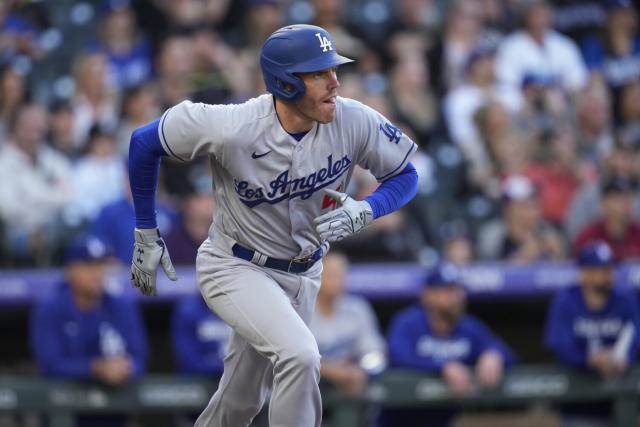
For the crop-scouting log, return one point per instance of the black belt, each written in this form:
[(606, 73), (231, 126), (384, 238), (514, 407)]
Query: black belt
[(290, 266)]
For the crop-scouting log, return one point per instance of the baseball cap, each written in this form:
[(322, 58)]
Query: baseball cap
[(86, 248), (109, 6), (480, 51), (518, 187), (443, 274), (536, 78), (596, 254)]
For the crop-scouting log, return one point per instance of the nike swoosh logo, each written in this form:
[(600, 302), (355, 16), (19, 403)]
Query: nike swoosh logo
[(257, 156)]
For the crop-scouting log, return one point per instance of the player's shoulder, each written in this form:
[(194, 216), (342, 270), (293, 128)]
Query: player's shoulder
[(236, 115), (622, 295), (412, 315), (351, 106), (568, 296)]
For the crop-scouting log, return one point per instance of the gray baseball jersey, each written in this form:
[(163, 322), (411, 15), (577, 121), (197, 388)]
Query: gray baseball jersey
[(350, 333), (267, 184)]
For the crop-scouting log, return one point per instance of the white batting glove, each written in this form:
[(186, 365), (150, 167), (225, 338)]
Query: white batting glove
[(349, 218), (149, 250)]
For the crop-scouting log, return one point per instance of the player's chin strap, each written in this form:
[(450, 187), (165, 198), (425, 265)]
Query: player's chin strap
[(349, 218)]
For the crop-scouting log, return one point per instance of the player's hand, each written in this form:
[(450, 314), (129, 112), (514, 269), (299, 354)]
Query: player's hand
[(603, 362), (458, 378), (149, 250), (113, 370), (489, 369), (349, 218)]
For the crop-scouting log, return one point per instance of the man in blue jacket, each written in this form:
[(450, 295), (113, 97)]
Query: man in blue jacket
[(594, 326), (200, 338), (436, 336), (82, 332)]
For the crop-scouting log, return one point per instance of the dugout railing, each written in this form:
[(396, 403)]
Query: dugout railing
[(60, 400)]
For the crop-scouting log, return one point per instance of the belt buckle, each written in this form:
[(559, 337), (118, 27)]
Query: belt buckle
[(304, 261)]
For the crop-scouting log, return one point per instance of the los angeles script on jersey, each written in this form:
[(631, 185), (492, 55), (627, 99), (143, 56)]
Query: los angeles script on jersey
[(283, 187)]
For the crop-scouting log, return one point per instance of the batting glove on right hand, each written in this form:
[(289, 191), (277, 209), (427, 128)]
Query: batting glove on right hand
[(349, 218), (149, 250)]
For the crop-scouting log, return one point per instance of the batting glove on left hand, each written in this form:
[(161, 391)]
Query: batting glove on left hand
[(349, 218), (149, 250)]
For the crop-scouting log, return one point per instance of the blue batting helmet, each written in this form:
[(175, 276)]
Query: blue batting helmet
[(296, 49)]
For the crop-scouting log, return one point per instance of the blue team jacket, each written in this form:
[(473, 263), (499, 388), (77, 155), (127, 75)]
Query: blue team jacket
[(199, 337), (65, 340), (572, 328), (413, 345)]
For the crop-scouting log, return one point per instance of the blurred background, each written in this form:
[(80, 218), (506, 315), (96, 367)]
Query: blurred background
[(526, 114)]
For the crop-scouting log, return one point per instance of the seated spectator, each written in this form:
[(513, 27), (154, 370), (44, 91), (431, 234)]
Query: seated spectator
[(628, 126), (100, 167), (615, 52), (13, 93), (594, 326), (436, 336), (84, 332), (521, 235), (128, 53), (540, 49), (199, 337), (478, 88), (192, 227), (616, 225), (94, 100), (346, 331), (61, 129), (36, 185), (139, 106)]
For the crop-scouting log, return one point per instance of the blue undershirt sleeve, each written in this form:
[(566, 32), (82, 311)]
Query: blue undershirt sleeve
[(145, 151), (394, 192)]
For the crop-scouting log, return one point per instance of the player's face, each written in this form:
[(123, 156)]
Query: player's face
[(597, 279), (446, 302), (319, 100), (87, 278)]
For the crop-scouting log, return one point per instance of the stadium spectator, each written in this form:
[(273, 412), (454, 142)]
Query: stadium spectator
[(127, 51), (94, 101), (174, 66), (594, 126), (199, 338), (13, 93), (539, 49), (412, 100), (614, 53), (628, 125), (191, 228), (501, 151), (478, 88), (436, 336), (594, 326), (18, 37), (521, 236), (82, 331), (61, 129), (99, 167), (139, 106), (449, 54), (457, 246), (554, 171), (616, 226), (36, 185), (346, 331)]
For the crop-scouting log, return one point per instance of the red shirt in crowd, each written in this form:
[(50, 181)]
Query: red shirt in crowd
[(626, 248)]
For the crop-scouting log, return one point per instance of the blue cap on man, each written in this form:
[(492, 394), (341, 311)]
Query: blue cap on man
[(596, 254), (87, 248), (443, 274)]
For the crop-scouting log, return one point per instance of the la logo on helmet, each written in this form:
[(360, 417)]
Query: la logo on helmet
[(324, 42)]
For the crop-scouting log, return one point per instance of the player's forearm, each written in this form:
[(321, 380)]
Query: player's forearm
[(394, 192), (145, 151)]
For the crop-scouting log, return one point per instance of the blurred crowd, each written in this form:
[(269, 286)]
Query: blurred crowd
[(527, 114)]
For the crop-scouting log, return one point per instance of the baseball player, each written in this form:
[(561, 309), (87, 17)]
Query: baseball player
[(281, 163)]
